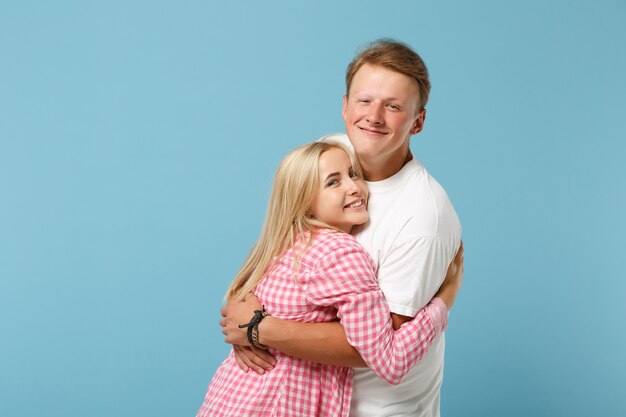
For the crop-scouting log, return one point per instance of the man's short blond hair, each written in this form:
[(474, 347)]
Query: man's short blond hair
[(395, 56)]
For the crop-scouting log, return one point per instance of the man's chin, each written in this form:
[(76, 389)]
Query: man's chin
[(365, 152)]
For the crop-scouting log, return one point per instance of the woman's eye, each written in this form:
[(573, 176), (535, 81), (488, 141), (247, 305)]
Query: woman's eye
[(332, 182), (353, 174)]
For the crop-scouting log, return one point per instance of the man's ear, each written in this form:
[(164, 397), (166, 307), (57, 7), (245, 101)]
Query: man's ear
[(418, 125), (344, 107)]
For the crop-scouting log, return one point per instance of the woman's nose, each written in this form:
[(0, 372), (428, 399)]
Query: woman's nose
[(352, 186)]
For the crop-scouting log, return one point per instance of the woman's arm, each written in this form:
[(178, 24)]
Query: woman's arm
[(447, 291)]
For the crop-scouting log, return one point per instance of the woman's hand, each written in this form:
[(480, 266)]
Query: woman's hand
[(454, 278), (258, 360)]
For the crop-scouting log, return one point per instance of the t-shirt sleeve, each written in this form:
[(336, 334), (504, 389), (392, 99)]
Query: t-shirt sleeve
[(412, 272), (345, 279)]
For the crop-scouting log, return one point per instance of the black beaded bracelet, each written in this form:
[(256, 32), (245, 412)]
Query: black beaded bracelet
[(253, 328)]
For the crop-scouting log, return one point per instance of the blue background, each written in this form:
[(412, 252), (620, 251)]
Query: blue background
[(137, 144)]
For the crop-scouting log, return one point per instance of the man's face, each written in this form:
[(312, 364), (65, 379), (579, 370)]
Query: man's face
[(381, 113)]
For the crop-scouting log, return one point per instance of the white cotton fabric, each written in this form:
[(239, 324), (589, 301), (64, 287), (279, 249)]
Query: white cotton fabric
[(412, 236)]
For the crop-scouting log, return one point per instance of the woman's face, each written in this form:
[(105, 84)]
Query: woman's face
[(341, 198)]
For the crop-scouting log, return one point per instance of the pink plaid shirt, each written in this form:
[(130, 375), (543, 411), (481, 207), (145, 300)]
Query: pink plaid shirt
[(335, 279)]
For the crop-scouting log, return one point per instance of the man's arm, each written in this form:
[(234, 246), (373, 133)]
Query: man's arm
[(260, 361), (317, 342)]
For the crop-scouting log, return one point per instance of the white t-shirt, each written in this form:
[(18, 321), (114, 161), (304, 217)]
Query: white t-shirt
[(412, 236)]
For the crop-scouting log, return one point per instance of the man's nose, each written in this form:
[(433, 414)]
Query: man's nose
[(375, 114)]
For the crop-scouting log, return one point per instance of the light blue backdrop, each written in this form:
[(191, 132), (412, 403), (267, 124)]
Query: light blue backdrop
[(137, 144)]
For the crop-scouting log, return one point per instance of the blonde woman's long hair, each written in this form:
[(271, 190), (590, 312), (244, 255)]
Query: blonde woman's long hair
[(295, 183)]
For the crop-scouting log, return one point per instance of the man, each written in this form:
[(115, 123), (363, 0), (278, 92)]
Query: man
[(412, 236)]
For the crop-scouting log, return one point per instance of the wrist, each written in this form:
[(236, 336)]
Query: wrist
[(438, 312), (252, 327), (265, 331)]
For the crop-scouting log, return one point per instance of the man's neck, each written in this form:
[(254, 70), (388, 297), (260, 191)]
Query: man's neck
[(378, 170)]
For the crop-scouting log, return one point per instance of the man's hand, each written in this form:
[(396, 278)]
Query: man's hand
[(236, 313), (247, 357)]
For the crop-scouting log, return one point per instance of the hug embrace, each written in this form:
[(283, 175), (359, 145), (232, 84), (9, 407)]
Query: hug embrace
[(341, 306)]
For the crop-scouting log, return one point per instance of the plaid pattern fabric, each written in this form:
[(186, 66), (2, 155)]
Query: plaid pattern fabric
[(335, 279)]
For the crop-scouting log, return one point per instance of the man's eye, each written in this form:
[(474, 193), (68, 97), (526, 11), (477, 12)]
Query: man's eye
[(393, 106)]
